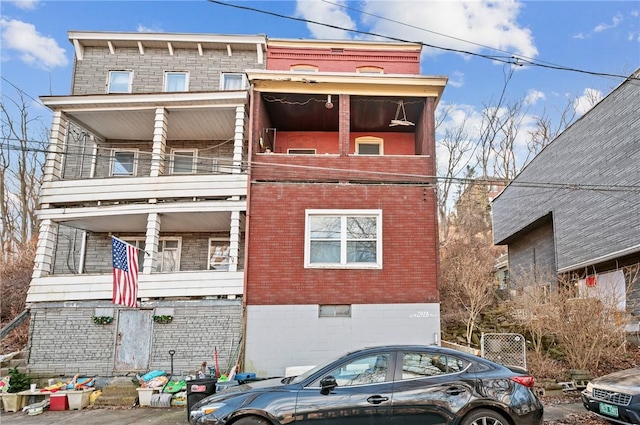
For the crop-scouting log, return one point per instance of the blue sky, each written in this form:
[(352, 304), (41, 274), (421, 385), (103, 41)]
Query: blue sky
[(598, 36)]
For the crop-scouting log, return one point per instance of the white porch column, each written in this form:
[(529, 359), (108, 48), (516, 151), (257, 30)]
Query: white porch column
[(159, 142), (238, 139), (234, 241), (151, 242), (43, 264), (53, 161)]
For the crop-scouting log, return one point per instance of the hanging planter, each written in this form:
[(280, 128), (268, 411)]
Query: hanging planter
[(102, 320), (163, 319)]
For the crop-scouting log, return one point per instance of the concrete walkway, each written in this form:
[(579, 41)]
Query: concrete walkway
[(178, 416)]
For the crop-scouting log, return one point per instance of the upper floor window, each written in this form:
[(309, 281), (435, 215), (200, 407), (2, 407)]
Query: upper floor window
[(123, 162), (233, 81), (183, 161), (219, 254), (304, 68), (176, 81), (140, 244), (168, 255), (120, 81), (369, 70), (369, 146), (343, 238)]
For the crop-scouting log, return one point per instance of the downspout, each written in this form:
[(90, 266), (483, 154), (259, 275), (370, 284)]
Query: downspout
[(83, 252)]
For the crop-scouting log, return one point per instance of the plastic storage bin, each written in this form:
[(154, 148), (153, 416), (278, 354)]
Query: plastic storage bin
[(78, 400)]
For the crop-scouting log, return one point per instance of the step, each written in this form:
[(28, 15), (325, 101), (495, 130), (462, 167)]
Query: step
[(119, 391)]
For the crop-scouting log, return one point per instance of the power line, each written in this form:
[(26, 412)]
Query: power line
[(511, 60)]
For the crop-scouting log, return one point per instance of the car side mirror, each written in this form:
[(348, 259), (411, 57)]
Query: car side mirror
[(327, 384)]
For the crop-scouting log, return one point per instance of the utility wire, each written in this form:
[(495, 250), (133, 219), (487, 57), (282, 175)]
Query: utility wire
[(511, 60)]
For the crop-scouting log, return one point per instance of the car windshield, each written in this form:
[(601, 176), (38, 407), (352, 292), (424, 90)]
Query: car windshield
[(302, 377)]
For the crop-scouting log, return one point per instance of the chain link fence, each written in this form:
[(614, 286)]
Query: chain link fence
[(505, 348)]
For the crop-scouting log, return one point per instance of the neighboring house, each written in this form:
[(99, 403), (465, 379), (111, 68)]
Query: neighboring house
[(573, 211), (149, 147), (342, 218)]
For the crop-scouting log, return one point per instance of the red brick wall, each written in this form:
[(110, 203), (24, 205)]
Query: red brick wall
[(392, 62), (327, 142), (275, 269)]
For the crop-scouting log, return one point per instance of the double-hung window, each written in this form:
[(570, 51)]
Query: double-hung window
[(233, 81), (168, 255), (369, 145), (123, 162), (140, 244), (219, 254), (120, 82), (184, 161), (176, 81), (343, 239)]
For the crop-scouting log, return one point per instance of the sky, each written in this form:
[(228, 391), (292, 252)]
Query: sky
[(466, 41)]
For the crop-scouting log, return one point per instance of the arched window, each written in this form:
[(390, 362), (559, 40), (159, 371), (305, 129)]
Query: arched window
[(304, 68), (369, 145), (369, 70)]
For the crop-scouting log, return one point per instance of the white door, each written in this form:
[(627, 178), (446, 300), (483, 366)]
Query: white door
[(133, 342)]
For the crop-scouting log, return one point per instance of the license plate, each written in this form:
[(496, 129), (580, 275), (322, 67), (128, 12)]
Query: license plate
[(607, 409)]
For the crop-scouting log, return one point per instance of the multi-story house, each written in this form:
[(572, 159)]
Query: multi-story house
[(572, 213), (342, 218), (151, 147)]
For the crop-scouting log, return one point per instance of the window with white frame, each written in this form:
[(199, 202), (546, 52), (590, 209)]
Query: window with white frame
[(369, 145), (119, 82), (233, 81), (369, 70), (140, 244), (176, 81), (123, 162), (219, 249), (183, 161), (343, 239), (168, 255)]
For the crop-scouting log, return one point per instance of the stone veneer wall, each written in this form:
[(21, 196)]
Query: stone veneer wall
[(64, 340)]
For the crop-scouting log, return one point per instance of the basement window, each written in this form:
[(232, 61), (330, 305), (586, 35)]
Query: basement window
[(334, 310)]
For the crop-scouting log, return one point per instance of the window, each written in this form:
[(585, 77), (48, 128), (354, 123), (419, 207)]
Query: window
[(119, 82), (140, 244), (301, 151), (123, 163), (168, 255), (369, 146), (369, 70), (233, 81), (176, 81), (362, 371), (421, 365), (339, 310), (304, 68), (183, 161), (343, 239), (218, 254)]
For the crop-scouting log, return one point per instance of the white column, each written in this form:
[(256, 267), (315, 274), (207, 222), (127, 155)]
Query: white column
[(159, 142), (234, 241), (238, 138), (151, 242), (43, 264), (53, 161)]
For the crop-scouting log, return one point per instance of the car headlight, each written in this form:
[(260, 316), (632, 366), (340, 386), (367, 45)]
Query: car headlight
[(208, 409), (590, 388)]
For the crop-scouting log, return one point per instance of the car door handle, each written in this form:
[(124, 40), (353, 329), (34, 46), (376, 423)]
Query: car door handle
[(377, 399), (454, 391)]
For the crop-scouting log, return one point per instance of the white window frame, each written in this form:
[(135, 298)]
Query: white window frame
[(160, 266), (209, 254), (334, 310), (140, 244), (343, 214), (225, 75), (166, 81), (370, 140), (182, 152), (369, 70), (114, 152), (119, 71)]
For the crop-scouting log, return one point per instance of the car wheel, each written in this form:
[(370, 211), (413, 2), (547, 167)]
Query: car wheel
[(251, 420), (484, 417)]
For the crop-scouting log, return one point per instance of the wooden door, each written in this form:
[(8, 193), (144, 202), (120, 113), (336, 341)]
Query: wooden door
[(133, 342)]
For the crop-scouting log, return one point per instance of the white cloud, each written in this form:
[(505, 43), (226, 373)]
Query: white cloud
[(588, 99), (34, 49), (24, 4), (580, 36), (533, 96), (319, 11), (144, 28), (615, 21), (456, 79), (461, 25)]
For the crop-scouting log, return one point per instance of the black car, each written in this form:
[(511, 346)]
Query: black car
[(383, 385), (615, 397)]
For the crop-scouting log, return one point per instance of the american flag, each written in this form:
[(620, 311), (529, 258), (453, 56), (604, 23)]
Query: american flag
[(125, 273)]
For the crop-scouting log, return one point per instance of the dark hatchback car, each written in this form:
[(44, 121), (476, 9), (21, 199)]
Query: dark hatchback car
[(615, 397), (383, 385)]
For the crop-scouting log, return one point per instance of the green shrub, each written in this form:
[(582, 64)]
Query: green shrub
[(18, 381)]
